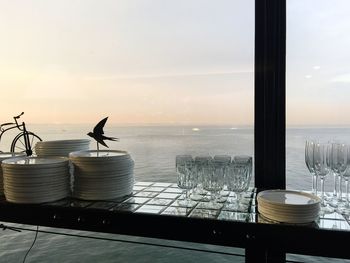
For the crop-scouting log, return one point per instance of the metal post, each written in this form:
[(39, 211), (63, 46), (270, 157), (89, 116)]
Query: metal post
[(270, 52)]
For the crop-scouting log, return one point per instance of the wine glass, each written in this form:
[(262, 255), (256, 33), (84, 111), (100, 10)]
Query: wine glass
[(338, 164), (309, 161), (186, 177), (238, 178), (202, 167), (214, 180), (345, 209), (225, 160), (322, 154)]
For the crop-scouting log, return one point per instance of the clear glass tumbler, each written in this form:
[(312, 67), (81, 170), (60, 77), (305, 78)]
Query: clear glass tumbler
[(186, 177), (238, 179)]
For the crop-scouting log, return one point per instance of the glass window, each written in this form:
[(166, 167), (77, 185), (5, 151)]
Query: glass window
[(174, 77), (318, 77)]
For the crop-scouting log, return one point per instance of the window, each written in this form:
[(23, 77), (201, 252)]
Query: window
[(317, 80), (174, 77)]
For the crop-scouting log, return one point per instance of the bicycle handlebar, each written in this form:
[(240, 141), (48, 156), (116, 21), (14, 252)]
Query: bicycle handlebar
[(17, 117)]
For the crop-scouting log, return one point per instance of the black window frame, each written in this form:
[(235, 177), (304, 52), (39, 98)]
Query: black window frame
[(270, 94)]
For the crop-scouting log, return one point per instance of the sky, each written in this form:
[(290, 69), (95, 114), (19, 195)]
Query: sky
[(165, 62)]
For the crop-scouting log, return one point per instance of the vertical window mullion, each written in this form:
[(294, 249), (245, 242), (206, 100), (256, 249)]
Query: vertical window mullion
[(270, 90)]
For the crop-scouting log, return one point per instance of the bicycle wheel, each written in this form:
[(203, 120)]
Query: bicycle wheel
[(18, 144)]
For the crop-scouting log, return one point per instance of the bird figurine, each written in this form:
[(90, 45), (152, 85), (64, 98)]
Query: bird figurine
[(97, 134)]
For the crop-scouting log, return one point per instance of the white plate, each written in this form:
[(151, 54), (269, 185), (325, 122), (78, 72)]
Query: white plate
[(60, 142), (35, 176), (289, 213), (36, 192), (63, 148), (99, 179), (296, 219), (36, 181), (36, 199), (287, 209), (7, 155), (106, 167), (26, 162), (37, 188), (288, 198), (56, 151), (34, 169), (99, 154), (100, 175), (102, 196), (100, 187)]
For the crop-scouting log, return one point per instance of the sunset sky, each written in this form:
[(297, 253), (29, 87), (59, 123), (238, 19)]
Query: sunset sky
[(165, 61)]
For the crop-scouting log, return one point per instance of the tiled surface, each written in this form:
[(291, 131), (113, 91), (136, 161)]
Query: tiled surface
[(168, 200)]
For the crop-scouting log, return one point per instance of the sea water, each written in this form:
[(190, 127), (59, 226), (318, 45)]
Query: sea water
[(153, 149)]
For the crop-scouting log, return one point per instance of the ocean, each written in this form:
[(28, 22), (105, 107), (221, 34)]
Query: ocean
[(153, 148)]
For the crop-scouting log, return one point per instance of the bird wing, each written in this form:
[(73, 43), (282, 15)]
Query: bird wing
[(109, 138), (100, 140), (99, 127)]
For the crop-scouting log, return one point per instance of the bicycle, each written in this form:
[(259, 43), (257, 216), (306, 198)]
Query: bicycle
[(23, 141)]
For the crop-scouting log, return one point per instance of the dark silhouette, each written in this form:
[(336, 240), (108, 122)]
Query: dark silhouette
[(97, 134), (24, 141)]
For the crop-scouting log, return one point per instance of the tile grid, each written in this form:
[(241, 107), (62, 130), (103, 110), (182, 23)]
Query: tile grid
[(162, 199), (199, 209)]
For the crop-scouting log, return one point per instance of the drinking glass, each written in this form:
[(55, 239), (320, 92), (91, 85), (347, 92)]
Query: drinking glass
[(214, 180), (202, 167), (338, 164), (225, 160), (322, 154), (309, 161), (186, 177), (345, 209), (238, 178)]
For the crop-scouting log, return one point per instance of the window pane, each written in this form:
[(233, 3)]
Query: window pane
[(318, 76), (174, 77)]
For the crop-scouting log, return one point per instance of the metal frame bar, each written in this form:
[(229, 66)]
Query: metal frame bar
[(270, 105), (263, 242), (270, 108)]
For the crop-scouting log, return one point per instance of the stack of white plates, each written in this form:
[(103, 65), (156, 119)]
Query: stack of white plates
[(4, 156), (288, 206), (102, 175), (61, 147), (35, 180)]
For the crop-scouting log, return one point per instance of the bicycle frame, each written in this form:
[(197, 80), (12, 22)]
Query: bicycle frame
[(21, 127), (3, 130), (15, 125)]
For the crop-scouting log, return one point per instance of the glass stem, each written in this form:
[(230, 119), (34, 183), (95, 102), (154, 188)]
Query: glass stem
[(347, 191), (335, 184), (238, 196), (314, 184), (187, 194), (340, 190), (322, 191)]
